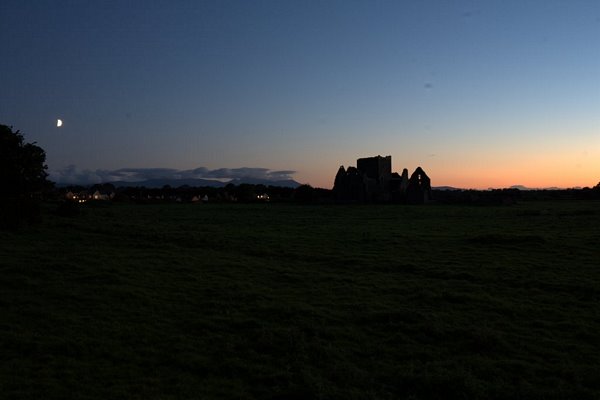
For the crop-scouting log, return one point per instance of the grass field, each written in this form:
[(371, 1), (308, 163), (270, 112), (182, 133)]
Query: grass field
[(275, 301)]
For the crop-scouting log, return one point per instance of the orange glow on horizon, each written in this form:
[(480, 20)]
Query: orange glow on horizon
[(542, 172)]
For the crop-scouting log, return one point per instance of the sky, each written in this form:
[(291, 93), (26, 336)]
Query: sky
[(478, 93)]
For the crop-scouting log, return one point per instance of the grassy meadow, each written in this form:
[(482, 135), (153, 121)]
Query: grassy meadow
[(275, 301)]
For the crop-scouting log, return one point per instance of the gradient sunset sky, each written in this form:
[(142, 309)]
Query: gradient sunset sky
[(478, 93)]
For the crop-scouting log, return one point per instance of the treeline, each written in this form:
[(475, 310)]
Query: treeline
[(249, 193), (512, 196), (245, 193)]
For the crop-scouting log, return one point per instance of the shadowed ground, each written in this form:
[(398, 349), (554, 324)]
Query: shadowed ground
[(281, 301)]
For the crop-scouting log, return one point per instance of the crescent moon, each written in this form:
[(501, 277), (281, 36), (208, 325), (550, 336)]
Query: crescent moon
[(58, 123)]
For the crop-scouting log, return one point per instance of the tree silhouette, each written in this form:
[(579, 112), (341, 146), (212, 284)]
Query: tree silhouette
[(22, 178), (304, 194)]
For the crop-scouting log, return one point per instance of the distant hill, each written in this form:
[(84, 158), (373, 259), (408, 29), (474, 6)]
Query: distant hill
[(445, 188), (521, 187), (256, 181), (525, 188), (159, 183)]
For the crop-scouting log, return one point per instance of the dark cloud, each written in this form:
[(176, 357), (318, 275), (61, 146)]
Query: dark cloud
[(73, 175)]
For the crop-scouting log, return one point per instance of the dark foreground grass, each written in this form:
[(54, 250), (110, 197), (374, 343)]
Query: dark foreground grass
[(293, 302)]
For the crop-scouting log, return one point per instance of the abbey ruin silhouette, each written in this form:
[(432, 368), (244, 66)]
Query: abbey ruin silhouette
[(372, 180)]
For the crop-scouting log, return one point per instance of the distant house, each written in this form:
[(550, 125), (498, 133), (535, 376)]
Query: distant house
[(263, 197), (80, 197), (372, 180), (100, 196)]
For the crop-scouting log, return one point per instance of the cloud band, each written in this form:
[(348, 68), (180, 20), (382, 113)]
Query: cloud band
[(72, 175)]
